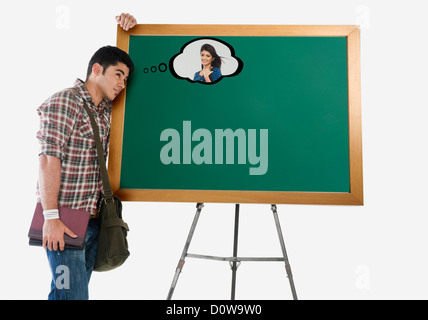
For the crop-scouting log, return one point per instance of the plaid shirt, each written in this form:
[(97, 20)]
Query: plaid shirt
[(66, 133)]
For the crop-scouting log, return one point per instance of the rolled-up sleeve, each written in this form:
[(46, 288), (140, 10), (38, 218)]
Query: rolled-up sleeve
[(57, 119)]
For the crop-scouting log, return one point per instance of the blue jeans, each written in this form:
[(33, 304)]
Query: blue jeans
[(71, 269)]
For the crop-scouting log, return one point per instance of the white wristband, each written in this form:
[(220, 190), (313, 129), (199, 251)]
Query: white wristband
[(51, 214)]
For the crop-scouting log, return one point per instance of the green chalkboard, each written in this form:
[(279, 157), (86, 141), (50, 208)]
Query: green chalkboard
[(277, 122)]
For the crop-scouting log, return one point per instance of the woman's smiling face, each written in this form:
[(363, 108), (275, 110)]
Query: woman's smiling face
[(206, 58)]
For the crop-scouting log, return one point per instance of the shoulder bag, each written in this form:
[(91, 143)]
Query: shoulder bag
[(112, 241)]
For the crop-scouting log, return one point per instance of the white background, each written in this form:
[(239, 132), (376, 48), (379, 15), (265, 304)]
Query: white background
[(378, 251)]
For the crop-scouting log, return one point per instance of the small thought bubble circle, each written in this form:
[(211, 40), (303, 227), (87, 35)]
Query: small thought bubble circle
[(161, 68)]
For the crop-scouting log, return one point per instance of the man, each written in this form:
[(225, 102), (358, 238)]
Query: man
[(69, 173)]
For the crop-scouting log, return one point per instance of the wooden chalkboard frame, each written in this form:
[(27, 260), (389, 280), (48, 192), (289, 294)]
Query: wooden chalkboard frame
[(354, 197)]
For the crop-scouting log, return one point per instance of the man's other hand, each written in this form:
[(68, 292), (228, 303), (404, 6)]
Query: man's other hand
[(126, 21)]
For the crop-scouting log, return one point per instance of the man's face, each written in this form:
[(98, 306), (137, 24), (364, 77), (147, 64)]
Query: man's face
[(113, 81)]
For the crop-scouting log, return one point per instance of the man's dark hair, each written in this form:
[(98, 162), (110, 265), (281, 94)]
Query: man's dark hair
[(109, 56)]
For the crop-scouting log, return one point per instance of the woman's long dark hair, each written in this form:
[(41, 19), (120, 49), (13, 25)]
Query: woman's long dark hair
[(217, 59)]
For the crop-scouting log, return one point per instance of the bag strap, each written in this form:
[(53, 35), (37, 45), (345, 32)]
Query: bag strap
[(108, 193)]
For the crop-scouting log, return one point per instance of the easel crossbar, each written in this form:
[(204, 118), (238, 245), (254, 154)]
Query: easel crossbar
[(233, 259)]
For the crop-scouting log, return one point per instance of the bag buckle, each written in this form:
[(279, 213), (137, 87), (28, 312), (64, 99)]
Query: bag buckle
[(111, 200), (108, 197)]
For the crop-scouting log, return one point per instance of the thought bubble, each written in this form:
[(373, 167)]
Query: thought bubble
[(188, 64), (162, 67)]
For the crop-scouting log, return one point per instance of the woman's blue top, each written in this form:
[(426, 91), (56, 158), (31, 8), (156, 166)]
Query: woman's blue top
[(213, 76)]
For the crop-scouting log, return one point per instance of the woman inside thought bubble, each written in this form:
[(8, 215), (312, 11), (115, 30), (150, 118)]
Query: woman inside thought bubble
[(211, 65)]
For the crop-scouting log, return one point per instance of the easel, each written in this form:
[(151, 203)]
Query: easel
[(235, 260)]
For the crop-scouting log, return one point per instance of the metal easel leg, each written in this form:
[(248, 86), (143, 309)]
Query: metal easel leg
[(180, 265), (284, 252), (234, 264)]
